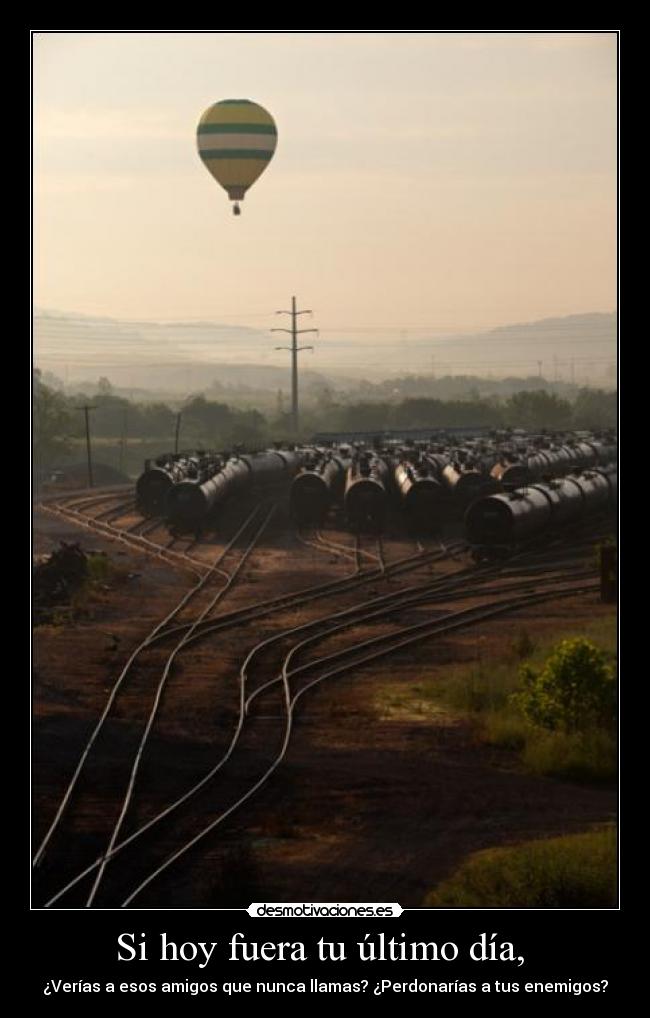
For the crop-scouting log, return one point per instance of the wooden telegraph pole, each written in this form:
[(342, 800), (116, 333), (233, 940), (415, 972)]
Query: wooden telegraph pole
[(88, 451)]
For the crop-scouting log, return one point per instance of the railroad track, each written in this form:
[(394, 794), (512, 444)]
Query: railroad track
[(317, 541), (114, 512), (337, 663), (306, 595), (455, 588), (257, 521), (376, 556), (75, 501), (135, 542), (143, 527), (201, 627), (191, 542), (451, 588), (354, 553), (117, 507)]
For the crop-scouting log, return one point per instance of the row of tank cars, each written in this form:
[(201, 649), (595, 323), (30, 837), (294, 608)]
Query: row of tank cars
[(188, 488), (508, 486), (507, 489)]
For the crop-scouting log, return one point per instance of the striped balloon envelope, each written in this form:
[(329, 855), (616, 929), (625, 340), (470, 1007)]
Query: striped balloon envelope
[(236, 139)]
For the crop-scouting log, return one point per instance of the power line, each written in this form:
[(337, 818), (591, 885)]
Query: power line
[(450, 331), (485, 364)]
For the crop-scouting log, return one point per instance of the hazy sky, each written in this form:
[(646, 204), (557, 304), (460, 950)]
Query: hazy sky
[(439, 180)]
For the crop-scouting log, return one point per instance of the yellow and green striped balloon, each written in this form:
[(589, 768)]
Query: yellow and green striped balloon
[(236, 139)]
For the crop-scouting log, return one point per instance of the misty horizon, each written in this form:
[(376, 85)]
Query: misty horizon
[(577, 348)]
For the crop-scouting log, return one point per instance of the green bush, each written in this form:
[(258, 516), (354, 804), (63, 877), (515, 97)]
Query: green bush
[(576, 871), (575, 689), (99, 567)]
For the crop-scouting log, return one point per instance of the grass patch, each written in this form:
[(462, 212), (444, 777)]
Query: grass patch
[(101, 575), (405, 705), (481, 689), (580, 756), (100, 568), (575, 871), (505, 728), (473, 687), (589, 755)]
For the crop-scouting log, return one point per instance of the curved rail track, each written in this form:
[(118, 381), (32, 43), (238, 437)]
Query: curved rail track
[(451, 588), (347, 659), (354, 553), (133, 541), (202, 627), (159, 630)]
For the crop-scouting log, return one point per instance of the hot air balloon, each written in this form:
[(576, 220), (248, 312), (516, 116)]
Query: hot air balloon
[(236, 140)]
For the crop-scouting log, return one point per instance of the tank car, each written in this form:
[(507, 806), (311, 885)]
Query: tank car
[(421, 495), (605, 452), (190, 503), (437, 459), (273, 466), (153, 486), (599, 488), (365, 493), (465, 483), (584, 455), (511, 473), (318, 484), (505, 520)]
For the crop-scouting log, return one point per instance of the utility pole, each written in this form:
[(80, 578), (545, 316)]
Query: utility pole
[(178, 428), (90, 462), (539, 368), (294, 350), (123, 437)]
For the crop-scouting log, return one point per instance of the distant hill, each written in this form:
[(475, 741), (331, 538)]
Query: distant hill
[(569, 348), (186, 356)]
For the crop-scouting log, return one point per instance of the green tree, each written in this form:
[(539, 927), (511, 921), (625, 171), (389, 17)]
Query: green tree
[(108, 417), (158, 421), (418, 413), (537, 409), (51, 422), (365, 417), (206, 421), (247, 428), (575, 689), (594, 409)]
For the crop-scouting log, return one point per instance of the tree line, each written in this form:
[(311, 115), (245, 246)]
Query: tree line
[(58, 425)]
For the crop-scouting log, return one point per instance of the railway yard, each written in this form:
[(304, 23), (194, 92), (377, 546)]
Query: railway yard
[(229, 716)]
